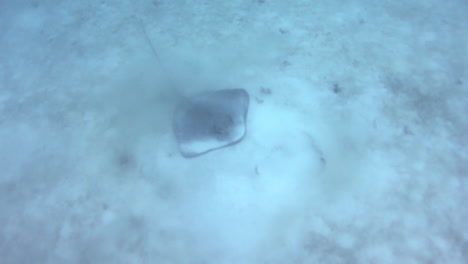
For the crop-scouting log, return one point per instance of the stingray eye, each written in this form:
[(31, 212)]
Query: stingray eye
[(221, 132), (218, 130)]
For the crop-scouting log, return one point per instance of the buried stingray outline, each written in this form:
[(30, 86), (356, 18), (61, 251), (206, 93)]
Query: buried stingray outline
[(210, 121)]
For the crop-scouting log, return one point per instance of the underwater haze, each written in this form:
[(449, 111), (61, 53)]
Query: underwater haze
[(355, 151)]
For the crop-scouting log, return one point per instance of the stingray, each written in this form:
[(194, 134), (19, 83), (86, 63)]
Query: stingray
[(210, 121)]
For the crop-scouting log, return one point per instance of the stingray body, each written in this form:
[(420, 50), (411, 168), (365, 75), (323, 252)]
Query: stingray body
[(210, 121)]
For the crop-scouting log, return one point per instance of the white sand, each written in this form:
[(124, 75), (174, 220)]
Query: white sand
[(358, 155)]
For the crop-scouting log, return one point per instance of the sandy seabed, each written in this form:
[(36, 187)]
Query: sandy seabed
[(356, 148)]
